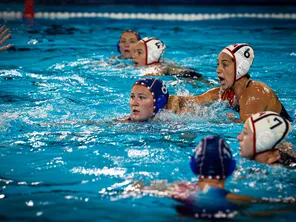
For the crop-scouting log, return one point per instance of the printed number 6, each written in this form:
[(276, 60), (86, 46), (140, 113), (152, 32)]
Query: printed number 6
[(247, 54)]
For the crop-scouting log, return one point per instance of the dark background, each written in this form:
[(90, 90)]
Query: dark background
[(150, 2)]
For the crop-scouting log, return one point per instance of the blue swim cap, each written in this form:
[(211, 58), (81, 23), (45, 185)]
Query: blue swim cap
[(137, 34), (212, 159), (158, 90)]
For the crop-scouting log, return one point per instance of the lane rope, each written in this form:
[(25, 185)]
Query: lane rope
[(146, 16)]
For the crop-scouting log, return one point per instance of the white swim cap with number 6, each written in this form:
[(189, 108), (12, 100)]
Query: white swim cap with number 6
[(243, 56)]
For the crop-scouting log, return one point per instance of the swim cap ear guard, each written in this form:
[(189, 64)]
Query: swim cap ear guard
[(161, 102), (212, 159), (269, 130), (232, 167), (193, 165), (158, 90), (137, 34), (243, 68), (243, 56)]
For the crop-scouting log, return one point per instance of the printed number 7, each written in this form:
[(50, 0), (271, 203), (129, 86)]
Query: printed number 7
[(277, 124)]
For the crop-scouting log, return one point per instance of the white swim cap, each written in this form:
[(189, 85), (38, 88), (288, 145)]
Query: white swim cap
[(269, 129), (154, 49), (243, 56)]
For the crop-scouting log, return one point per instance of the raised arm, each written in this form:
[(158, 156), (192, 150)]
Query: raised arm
[(182, 72), (3, 37), (246, 200), (268, 213), (181, 104), (173, 70), (240, 199)]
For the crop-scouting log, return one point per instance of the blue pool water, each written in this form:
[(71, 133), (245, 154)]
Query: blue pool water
[(64, 159)]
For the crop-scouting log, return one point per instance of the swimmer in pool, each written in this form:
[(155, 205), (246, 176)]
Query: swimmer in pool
[(148, 53), (263, 137), (213, 163), (148, 96), (126, 44), (244, 95), (4, 36)]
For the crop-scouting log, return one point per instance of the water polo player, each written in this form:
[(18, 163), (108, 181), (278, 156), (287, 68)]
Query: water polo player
[(148, 96), (126, 44), (263, 136), (243, 94), (212, 162), (148, 53)]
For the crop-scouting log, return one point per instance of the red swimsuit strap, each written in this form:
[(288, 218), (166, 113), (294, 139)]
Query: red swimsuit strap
[(228, 95)]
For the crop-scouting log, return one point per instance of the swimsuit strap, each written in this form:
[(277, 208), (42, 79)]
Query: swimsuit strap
[(285, 114), (248, 83)]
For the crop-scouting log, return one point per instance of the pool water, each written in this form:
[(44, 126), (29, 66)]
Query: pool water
[(64, 159)]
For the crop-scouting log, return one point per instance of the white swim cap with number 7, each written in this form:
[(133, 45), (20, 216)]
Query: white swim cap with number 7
[(269, 130)]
